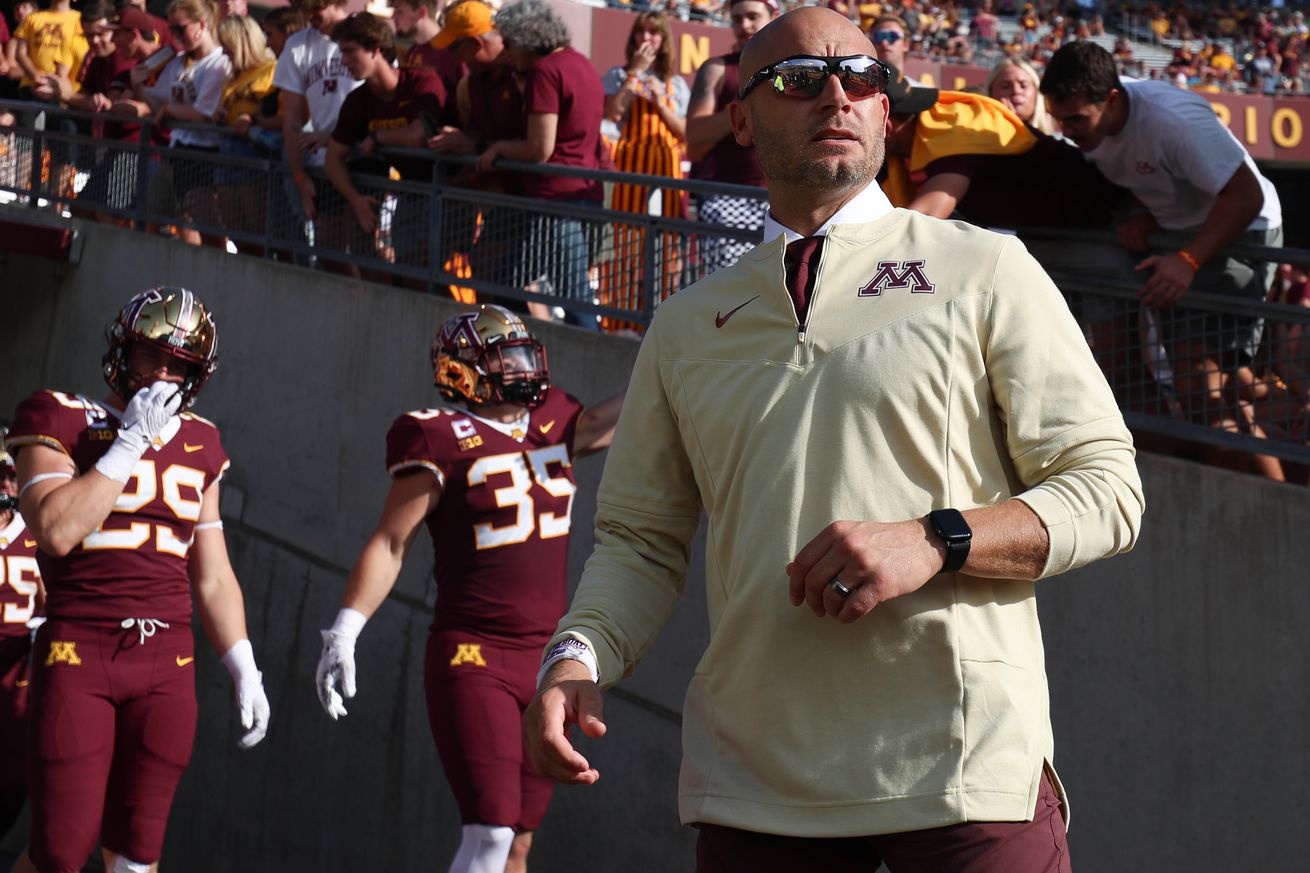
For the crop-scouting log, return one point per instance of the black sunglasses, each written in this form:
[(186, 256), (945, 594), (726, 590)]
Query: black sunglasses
[(805, 75)]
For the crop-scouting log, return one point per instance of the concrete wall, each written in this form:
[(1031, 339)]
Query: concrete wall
[(1177, 671)]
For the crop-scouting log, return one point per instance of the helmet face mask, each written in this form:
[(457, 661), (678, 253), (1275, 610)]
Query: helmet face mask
[(488, 357), (172, 320)]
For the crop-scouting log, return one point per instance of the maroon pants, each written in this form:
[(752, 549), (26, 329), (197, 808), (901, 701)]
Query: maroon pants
[(477, 690), (1036, 846), (112, 724), (14, 652)]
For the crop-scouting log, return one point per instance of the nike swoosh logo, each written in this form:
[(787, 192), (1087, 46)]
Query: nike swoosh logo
[(188, 448), (546, 428), (721, 320), (29, 544), (182, 662)]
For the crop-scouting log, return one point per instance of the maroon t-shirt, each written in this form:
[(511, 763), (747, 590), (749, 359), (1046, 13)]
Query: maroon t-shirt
[(1012, 191), (501, 528), (728, 161), (135, 564), (447, 67), (565, 84), (19, 578), (496, 112), (418, 90)]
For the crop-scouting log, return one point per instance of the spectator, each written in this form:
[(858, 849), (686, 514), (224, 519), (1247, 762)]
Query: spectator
[(279, 24), (985, 26), (416, 20), (648, 101), (1194, 178), (159, 25), (314, 83), (565, 103), (387, 110), (716, 155), (49, 42), (1014, 82), (242, 191), (189, 89), (891, 38), (491, 108)]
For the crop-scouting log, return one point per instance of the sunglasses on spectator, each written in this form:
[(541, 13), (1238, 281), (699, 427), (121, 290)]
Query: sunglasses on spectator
[(888, 36), (179, 30), (805, 76)]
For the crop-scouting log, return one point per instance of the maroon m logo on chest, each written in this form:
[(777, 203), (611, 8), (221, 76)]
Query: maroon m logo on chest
[(898, 274)]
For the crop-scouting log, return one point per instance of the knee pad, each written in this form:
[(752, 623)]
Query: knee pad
[(127, 865), (482, 849)]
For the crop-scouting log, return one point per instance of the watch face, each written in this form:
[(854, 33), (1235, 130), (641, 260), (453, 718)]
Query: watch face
[(952, 526)]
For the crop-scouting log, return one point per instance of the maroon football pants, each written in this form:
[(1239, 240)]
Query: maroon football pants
[(112, 724), (1036, 846), (477, 689), (13, 727)]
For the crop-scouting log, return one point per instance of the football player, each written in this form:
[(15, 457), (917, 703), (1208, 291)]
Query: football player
[(122, 499), (490, 473), (20, 601)]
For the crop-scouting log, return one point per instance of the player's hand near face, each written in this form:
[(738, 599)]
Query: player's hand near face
[(877, 561), (568, 696)]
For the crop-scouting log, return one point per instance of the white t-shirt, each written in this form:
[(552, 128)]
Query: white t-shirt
[(197, 83), (1176, 156), (311, 66)]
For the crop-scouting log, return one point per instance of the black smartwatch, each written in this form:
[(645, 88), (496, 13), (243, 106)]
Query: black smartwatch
[(955, 533)]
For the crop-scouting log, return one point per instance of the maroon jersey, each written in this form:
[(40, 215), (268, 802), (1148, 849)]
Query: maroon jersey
[(135, 564), (362, 112), (501, 528), (19, 578)]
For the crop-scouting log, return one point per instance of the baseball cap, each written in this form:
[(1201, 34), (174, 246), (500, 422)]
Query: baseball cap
[(907, 99), (132, 18), (470, 18), (772, 4)]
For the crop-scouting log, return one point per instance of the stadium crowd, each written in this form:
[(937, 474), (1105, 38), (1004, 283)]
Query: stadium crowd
[(348, 98)]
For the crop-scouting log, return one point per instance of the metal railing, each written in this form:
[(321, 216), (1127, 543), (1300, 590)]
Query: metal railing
[(437, 234), (614, 266)]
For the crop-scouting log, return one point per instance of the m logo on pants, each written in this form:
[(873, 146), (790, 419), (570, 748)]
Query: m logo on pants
[(468, 653), (63, 652)]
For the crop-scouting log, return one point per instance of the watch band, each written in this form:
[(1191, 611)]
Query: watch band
[(955, 533)]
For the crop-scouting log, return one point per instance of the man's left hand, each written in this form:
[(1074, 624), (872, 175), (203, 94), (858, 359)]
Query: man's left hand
[(1170, 281), (875, 560)]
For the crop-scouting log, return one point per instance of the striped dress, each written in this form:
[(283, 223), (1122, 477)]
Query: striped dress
[(645, 145)]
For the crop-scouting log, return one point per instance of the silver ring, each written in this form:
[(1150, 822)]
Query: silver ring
[(841, 589)]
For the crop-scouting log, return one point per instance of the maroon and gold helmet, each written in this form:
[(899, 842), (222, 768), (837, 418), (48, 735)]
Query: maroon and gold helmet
[(487, 357), (174, 320)]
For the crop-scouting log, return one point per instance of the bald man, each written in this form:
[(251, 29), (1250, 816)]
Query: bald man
[(891, 446)]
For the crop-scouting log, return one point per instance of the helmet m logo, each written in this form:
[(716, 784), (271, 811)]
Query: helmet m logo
[(63, 652), (461, 332), (898, 274), (468, 653)]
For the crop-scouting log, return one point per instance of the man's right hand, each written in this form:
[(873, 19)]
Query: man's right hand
[(148, 412), (366, 212), (335, 677), (568, 696)]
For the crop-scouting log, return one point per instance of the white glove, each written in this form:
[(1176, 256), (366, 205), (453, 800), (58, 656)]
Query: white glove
[(335, 677), (146, 416), (252, 702)]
